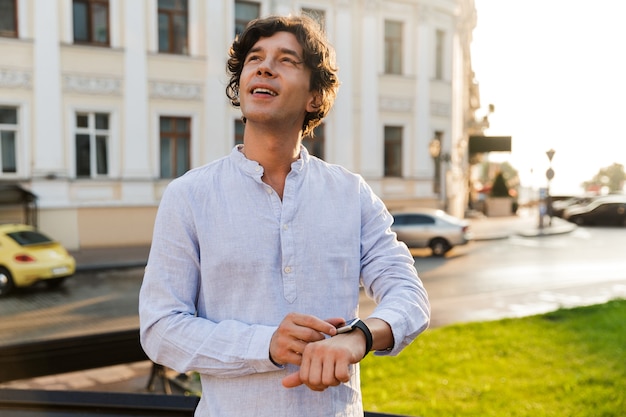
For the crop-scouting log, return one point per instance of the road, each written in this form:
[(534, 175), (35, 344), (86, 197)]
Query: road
[(483, 281), (524, 276)]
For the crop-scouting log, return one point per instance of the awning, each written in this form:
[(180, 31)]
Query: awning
[(14, 194), (484, 144)]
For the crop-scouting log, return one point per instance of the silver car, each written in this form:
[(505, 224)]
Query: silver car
[(431, 228)]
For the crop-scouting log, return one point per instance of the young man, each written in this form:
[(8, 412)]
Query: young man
[(257, 258)]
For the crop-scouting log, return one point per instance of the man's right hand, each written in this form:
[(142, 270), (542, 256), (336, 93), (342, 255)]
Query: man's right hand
[(295, 332)]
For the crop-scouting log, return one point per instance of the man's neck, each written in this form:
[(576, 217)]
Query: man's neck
[(275, 152)]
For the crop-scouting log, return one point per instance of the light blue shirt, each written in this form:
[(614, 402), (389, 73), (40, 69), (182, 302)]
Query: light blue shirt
[(229, 260)]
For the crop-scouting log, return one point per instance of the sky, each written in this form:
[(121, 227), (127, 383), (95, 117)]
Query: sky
[(555, 70)]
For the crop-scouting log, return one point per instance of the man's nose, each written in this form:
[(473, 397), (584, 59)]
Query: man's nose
[(266, 68)]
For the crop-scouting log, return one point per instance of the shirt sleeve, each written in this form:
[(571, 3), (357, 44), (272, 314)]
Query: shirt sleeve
[(171, 331), (389, 276)]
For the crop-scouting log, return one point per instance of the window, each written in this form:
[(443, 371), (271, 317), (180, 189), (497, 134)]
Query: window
[(92, 142), (393, 151), (8, 134), (175, 146), (439, 48), (318, 15), (413, 220), (29, 237), (315, 145), (91, 21), (239, 128), (173, 26), (393, 47), (8, 18), (245, 11)]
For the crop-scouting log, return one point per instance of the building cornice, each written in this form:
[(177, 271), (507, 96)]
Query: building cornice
[(14, 78), (90, 84), (174, 90)]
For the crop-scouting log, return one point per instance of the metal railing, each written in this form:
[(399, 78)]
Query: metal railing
[(50, 357)]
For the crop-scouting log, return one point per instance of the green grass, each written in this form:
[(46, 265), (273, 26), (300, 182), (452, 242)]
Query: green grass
[(571, 362)]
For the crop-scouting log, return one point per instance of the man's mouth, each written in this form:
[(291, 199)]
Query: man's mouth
[(264, 91)]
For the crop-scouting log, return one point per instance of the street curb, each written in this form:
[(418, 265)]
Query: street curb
[(553, 231), (110, 266)]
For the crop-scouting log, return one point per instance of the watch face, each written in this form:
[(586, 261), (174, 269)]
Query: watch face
[(348, 327), (352, 322)]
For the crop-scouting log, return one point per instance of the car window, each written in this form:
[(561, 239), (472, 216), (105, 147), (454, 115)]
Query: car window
[(29, 237), (419, 219), (423, 219), (413, 219), (399, 220)]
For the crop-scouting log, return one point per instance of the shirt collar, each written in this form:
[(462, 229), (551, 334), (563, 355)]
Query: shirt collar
[(254, 169)]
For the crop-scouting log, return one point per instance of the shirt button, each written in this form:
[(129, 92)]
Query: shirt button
[(285, 227), (257, 169), (287, 270), (268, 189)]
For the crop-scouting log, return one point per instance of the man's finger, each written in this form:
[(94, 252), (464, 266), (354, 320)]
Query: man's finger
[(292, 380), (314, 323), (336, 322)]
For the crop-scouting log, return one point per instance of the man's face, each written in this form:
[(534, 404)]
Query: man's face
[(274, 83)]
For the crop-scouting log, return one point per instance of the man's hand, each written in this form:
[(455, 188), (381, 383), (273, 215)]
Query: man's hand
[(295, 332), (325, 363)]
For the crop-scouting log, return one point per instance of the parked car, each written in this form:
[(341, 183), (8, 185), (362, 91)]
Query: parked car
[(604, 211), (27, 256), (431, 228), (559, 206)]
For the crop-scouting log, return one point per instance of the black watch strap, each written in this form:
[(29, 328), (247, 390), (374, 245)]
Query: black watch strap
[(369, 341)]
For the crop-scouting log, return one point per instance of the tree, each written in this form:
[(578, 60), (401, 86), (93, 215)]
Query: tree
[(511, 176), (500, 188), (612, 177)]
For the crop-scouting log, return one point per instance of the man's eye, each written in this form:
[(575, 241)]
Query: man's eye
[(289, 60)]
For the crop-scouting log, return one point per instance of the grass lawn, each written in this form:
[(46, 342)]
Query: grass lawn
[(571, 362)]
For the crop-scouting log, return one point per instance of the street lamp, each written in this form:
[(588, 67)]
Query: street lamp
[(549, 176), (546, 203), (439, 180), (434, 148)]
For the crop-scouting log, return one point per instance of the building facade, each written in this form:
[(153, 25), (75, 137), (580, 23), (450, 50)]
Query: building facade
[(104, 102)]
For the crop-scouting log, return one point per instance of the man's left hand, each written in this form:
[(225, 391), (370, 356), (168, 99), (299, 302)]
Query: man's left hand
[(326, 363)]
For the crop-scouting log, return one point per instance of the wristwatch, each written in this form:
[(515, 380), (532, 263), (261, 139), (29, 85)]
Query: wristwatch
[(357, 323)]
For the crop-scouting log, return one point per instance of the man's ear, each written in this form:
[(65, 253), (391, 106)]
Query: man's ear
[(315, 102)]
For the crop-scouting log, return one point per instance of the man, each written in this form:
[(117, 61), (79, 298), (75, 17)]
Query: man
[(257, 258)]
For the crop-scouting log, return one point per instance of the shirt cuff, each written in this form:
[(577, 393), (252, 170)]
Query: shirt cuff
[(397, 322), (258, 350)]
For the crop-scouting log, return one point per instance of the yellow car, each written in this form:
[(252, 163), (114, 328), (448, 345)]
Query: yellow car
[(28, 256)]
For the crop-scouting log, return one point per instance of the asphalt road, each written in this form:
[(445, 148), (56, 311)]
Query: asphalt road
[(524, 276), (486, 280)]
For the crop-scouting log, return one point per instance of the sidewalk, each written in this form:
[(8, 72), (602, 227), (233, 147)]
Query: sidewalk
[(525, 224), (119, 257), (134, 377)]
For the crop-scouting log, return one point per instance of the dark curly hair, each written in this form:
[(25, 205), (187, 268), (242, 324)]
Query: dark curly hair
[(319, 57)]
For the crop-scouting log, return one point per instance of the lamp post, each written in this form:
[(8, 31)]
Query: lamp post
[(549, 176), (439, 180), (434, 149), (545, 206)]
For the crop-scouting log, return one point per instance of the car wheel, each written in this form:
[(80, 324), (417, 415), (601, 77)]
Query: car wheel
[(439, 246), (6, 281), (55, 282)]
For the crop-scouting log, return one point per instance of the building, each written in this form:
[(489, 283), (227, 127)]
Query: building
[(103, 102)]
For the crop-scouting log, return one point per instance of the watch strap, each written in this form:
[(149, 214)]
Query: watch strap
[(369, 340)]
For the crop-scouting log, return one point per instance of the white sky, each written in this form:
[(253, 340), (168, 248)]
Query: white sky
[(556, 72)]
